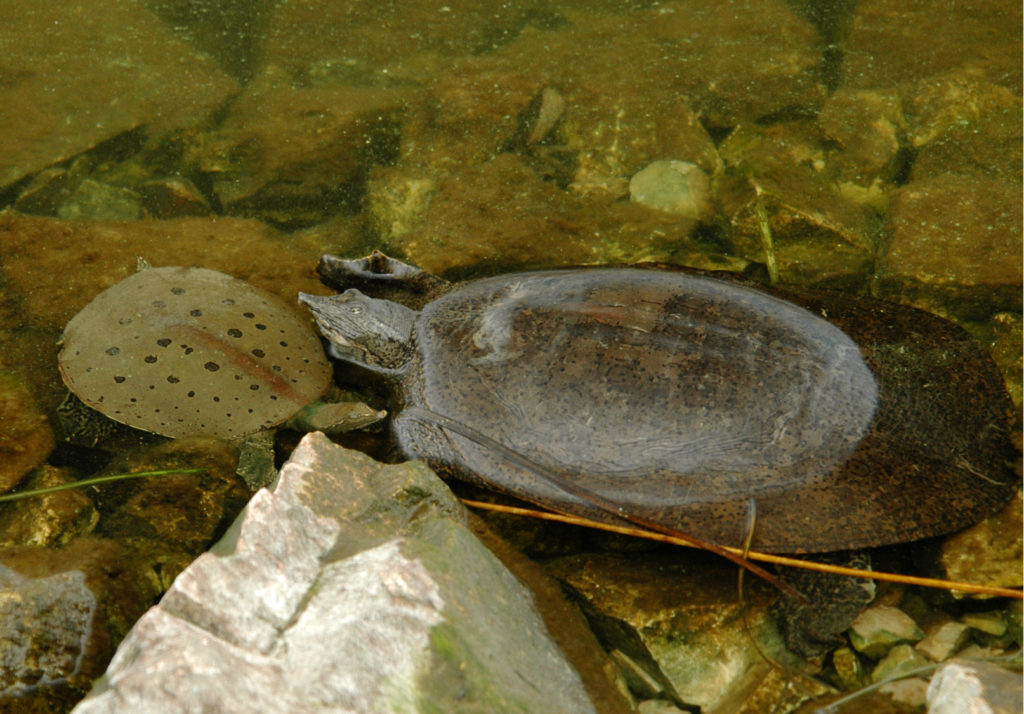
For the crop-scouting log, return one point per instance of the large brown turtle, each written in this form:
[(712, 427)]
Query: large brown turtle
[(689, 401)]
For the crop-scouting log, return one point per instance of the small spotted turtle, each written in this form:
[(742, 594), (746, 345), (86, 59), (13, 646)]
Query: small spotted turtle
[(684, 399)]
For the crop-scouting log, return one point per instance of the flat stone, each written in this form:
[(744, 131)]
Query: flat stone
[(910, 692), (460, 228), (886, 42), (51, 519), (350, 586), (956, 235), (98, 85), (36, 252), (777, 178), (982, 687)]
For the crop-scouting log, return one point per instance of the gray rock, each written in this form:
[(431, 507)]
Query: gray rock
[(977, 687), (351, 586), (62, 611), (47, 623)]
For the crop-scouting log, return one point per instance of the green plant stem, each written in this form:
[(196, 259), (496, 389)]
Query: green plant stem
[(93, 482)]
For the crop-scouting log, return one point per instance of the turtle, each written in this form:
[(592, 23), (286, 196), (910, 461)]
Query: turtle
[(186, 351), (687, 399)]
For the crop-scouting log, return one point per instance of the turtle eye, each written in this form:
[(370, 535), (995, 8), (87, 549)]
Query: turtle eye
[(355, 309)]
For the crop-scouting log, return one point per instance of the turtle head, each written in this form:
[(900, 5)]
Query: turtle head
[(376, 334)]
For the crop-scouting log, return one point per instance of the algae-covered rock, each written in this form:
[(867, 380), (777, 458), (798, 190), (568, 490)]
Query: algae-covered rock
[(26, 438)]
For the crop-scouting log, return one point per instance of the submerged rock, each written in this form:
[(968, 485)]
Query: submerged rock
[(674, 187)]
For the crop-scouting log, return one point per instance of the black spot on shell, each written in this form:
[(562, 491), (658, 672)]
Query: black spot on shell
[(113, 351), (172, 379), (163, 342), (178, 291), (227, 301), (254, 387), (248, 314), (211, 366), (196, 313), (216, 399), (188, 350), (191, 394), (283, 343), (149, 359), (260, 326), (259, 353), (119, 380), (234, 332)]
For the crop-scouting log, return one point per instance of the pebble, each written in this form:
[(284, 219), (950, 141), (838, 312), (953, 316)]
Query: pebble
[(878, 629), (674, 187), (944, 641)]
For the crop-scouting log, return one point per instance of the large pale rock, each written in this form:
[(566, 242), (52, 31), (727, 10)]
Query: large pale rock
[(350, 587)]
